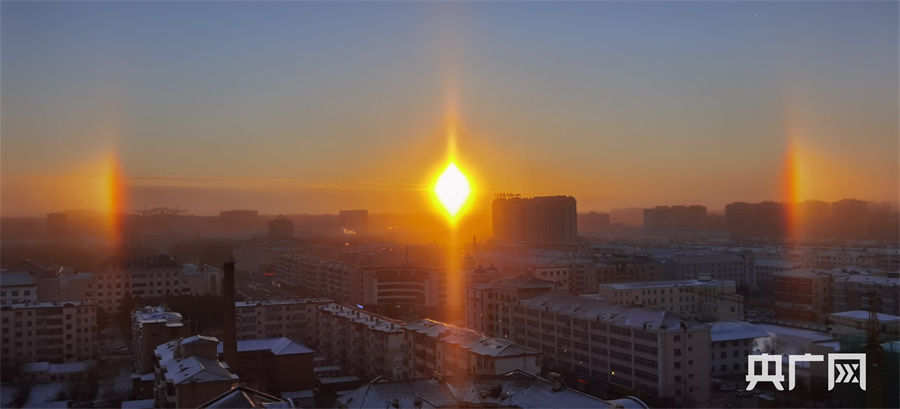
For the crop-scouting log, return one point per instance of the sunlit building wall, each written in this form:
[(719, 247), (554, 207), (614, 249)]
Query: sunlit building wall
[(439, 349), (361, 342), (647, 353), (489, 305)]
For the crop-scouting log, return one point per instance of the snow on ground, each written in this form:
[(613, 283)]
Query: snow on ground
[(7, 395), (40, 394)]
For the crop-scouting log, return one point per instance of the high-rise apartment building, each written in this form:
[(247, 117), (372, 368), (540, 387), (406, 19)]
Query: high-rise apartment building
[(543, 219), (675, 218)]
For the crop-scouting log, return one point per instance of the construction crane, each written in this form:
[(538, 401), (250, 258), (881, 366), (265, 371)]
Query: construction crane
[(160, 211), (875, 355)]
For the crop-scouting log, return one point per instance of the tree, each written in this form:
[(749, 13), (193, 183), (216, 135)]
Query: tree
[(123, 316), (773, 346)]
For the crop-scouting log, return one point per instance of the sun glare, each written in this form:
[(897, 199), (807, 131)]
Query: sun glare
[(452, 190)]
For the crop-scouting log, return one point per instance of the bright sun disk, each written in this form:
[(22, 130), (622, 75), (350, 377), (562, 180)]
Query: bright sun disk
[(452, 189)]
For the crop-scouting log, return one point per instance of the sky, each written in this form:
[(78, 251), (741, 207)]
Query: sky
[(312, 107)]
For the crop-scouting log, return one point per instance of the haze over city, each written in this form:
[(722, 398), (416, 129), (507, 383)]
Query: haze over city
[(309, 107), (491, 204)]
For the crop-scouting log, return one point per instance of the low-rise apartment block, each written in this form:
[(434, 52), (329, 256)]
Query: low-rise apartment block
[(613, 348), (52, 332), (151, 277), (488, 306), (364, 343), (440, 349), (732, 342), (716, 265), (703, 299), (857, 321), (290, 318), (189, 373), (17, 287), (801, 294)]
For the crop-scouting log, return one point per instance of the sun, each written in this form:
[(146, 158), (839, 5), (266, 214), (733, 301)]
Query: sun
[(452, 190)]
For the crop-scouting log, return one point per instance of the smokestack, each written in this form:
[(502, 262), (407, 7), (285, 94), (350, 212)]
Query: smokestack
[(229, 346)]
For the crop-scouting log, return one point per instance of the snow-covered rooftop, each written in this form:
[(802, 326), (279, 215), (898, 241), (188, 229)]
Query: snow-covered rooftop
[(16, 279), (593, 309), (278, 346), (862, 315), (729, 331), (871, 279), (44, 395), (768, 262), (244, 397), (671, 283), (157, 314), (469, 339), (138, 404), (71, 367), (514, 389), (372, 321), (291, 301), (48, 304), (196, 369)]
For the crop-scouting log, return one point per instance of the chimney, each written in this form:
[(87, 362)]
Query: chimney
[(229, 344)]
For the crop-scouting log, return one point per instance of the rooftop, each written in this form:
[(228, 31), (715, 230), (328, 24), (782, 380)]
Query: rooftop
[(514, 389), (469, 339), (180, 369), (526, 281), (871, 279), (767, 262), (157, 314), (672, 283), (291, 301), (63, 368), (48, 304), (862, 315), (592, 309), (138, 404), (729, 331), (244, 397), (278, 346), (802, 273), (196, 369), (16, 279), (372, 321)]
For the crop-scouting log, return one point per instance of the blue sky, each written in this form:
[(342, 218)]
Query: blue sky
[(619, 104)]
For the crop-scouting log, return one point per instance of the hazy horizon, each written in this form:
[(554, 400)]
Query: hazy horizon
[(313, 107)]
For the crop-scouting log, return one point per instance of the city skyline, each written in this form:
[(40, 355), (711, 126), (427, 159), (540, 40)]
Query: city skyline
[(245, 104)]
